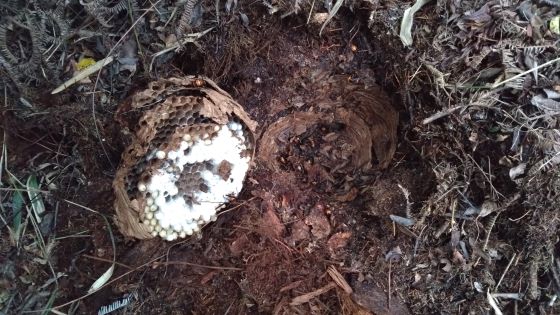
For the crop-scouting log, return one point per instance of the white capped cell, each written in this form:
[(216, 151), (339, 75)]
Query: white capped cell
[(165, 224), (160, 155), (142, 187), (184, 145), (174, 213), (173, 190), (159, 215)]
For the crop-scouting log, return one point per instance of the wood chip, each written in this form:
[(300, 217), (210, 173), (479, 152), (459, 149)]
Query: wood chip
[(302, 299)]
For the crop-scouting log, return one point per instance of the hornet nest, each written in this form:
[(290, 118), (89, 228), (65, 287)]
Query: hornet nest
[(191, 149), (349, 127)]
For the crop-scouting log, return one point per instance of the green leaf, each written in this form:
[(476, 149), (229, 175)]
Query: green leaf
[(35, 197), (17, 205)]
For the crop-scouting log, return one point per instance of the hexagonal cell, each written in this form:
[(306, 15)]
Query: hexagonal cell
[(165, 118)]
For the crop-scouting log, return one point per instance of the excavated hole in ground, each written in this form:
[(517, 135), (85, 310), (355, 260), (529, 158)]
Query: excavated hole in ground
[(287, 226), (290, 223)]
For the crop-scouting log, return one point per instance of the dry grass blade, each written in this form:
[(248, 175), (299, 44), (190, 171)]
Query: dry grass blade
[(103, 279), (493, 303), (332, 13), (408, 19), (440, 114), (132, 27), (548, 63), (190, 38), (84, 74)]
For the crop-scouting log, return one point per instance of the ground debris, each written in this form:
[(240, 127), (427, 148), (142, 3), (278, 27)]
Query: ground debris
[(466, 119)]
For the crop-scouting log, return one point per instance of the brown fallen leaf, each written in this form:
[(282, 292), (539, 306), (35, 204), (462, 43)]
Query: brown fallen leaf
[(338, 241), (300, 231), (320, 226), (270, 224), (236, 247), (349, 196)]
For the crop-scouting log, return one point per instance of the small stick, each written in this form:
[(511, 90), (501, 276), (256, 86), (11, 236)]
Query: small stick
[(505, 271), (84, 74), (525, 72), (107, 261), (298, 300), (440, 114), (389, 287), (196, 265)]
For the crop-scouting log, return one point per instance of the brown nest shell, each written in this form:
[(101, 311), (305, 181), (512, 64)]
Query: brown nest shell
[(159, 116), (366, 137)]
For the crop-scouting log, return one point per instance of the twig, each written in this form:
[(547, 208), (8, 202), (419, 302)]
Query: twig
[(418, 241), (505, 271), (486, 176), (106, 284), (132, 27), (332, 13), (389, 287), (525, 72), (107, 260), (310, 12), (190, 38), (453, 209), (298, 300), (440, 114), (513, 296), (84, 74), (493, 303), (197, 265)]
